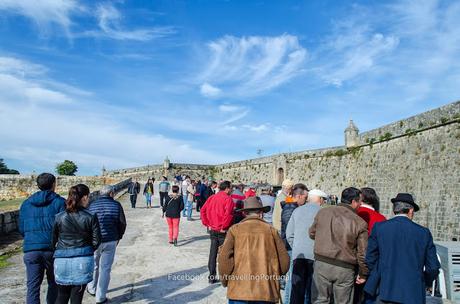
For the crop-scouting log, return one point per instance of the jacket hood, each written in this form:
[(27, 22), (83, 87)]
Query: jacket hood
[(42, 198)]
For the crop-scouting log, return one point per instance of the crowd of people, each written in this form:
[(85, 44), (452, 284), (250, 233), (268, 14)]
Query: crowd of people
[(316, 247)]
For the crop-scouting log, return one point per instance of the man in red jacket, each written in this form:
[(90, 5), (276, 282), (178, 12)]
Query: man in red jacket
[(217, 215)]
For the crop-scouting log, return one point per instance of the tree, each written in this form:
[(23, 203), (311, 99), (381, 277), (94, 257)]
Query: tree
[(67, 167), (4, 168)]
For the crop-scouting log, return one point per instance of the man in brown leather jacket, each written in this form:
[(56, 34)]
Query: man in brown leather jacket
[(253, 258), (340, 245)]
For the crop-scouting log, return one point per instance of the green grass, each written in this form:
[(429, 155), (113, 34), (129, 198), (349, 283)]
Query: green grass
[(4, 258), (11, 205)]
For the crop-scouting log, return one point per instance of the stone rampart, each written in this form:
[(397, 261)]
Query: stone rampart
[(21, 186), (431, 118)]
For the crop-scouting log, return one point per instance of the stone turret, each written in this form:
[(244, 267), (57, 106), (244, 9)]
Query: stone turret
[(351, 135)]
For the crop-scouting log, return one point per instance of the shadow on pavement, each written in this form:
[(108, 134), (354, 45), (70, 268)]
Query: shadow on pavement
[(164, 289), (192, 239)]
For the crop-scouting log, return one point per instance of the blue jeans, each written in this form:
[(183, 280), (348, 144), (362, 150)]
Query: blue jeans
[(189, 207), (184, 197), (148, 199), (103, 260), (247, 302), (37, 263), (287, 288)]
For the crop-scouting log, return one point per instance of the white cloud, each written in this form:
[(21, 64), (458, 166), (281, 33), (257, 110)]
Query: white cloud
[(353, 50), (20, 82), (44, 12), (109, 20), (229, 108), (256, 128), (208, 90), (73, 128), (252, 65), (406, 51)]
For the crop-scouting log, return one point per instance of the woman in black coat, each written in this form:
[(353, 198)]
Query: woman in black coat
[(172, 209), (76, 235)]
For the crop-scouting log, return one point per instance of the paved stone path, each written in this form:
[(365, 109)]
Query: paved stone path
[(147, 269)]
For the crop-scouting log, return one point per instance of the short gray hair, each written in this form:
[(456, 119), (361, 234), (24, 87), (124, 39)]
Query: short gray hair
[(401, 207), (106, 190)]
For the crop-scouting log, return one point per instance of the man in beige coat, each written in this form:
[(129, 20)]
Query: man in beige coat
[(285, 191), (253, 257)]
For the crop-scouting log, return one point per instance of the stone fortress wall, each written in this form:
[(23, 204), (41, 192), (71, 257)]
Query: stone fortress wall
[(419, 155), (21, 186)]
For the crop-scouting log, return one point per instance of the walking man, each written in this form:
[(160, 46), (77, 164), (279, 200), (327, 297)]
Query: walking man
[(340, 245), (36, 220), (217, 215), (302, 246), (163, 189), (133, 189), (112, 222), (253, 258), (401, 256), (184, 186)]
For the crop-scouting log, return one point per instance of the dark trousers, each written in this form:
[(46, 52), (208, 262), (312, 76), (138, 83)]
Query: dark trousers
[(133, 199), (37, 264), (217, 239), (163, 198), (302, 276), (74, 293), (358, 294), (199, 203)]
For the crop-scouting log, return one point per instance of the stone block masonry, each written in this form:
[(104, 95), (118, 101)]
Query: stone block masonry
[(419, 155), (21, 186), (9, 221)]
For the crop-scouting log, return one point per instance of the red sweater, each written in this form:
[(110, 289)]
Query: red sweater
[(217, 212), (371, 217)]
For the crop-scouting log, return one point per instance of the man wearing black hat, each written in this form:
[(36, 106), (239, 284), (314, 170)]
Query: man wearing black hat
[(401, 256)]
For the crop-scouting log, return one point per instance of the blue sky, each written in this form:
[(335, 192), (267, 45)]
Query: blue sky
[(125, 83)]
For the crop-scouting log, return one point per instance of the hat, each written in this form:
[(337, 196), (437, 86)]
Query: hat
[(287, 183), (406, 198), (317, 192), (266, 188), (254, 203)]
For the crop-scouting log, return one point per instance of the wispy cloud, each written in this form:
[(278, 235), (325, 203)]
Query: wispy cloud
[(249, 66), (110, 24), (21, 82), (353, 51), (412, 47), (44, 13)]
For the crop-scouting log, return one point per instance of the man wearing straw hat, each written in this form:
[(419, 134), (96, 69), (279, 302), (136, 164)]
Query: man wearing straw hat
[(253, 258)]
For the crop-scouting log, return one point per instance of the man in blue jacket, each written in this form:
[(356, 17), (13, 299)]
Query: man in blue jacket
[(112, 222), (36, 219), (401, 256)]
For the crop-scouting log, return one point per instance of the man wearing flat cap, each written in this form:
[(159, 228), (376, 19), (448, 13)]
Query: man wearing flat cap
[(401, 256), (253, 257)]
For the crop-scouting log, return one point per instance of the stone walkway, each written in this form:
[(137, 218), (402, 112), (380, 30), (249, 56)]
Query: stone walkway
[(147, 269)]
